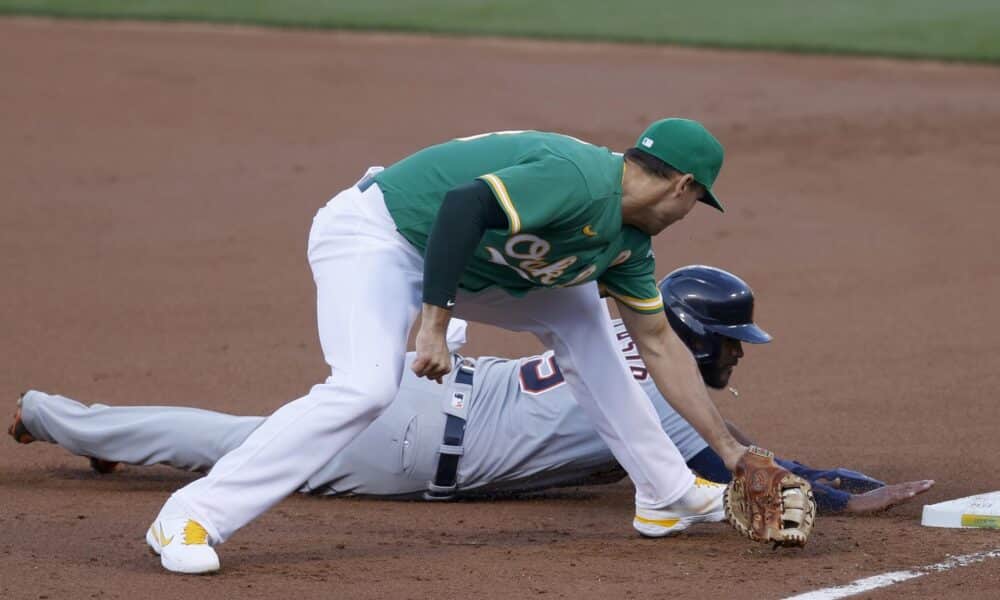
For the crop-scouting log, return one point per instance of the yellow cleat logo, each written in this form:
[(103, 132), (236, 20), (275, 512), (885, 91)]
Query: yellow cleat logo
[(194, 533), (160, 538), (588, 231)]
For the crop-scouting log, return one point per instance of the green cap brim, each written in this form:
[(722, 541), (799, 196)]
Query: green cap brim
[(710, 199)]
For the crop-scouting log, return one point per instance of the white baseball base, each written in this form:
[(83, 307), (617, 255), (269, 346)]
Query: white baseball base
[(981, 511)]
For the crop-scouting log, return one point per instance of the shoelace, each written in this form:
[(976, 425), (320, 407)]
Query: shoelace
[(194, 533)]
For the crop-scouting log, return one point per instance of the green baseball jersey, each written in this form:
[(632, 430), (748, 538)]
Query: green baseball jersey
[(562, 198)]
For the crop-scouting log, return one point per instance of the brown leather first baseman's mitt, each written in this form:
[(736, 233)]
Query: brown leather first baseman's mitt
[(767, 503)]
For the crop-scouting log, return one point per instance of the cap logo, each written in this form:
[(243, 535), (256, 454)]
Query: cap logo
[(647, 142)]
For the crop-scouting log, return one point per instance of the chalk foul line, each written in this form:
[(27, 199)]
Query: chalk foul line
[(886, 579)]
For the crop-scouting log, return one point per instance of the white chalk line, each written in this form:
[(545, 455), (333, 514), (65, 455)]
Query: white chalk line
[(886, 579)]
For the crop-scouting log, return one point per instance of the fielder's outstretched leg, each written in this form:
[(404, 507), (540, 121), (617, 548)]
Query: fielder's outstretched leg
[(575, 323), (368, 284)]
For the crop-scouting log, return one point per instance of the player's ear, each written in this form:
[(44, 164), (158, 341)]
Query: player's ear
[(681, 182), (686, 182)]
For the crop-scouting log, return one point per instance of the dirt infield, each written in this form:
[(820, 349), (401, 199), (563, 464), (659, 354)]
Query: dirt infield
[(158, 183)]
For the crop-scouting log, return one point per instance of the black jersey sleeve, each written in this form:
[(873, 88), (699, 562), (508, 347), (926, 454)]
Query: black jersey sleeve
[(465, 214)]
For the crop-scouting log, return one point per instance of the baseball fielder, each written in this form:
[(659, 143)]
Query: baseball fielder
[(513, 229), (523, 431)]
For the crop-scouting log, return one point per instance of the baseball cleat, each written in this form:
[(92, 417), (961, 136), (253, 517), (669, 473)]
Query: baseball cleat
[(182, 544), (702, 503), (17, 430)]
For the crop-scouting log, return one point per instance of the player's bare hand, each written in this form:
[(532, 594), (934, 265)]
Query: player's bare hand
[(886, 497), (433, 358)]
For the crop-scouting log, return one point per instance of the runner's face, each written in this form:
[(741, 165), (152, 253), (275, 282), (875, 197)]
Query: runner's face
[(730, 353)]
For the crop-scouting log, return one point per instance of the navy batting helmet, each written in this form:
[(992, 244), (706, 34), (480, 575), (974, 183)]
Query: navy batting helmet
[(705, 304)]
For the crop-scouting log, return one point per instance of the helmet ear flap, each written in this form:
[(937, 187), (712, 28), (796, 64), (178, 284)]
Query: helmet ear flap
[(709, 363), (691, 331), (690, 321)]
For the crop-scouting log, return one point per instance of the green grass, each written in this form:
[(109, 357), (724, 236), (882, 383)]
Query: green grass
[(966, 30)]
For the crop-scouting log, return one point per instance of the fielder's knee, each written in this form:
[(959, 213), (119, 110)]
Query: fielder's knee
[(377, 401), (366, 401)]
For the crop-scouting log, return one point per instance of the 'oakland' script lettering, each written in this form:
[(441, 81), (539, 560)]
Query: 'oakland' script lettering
[(531, 251)]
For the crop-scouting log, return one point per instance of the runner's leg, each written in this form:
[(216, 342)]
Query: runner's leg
[(185, 438)]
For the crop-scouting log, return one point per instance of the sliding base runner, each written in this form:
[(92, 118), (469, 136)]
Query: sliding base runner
[(981, 511)]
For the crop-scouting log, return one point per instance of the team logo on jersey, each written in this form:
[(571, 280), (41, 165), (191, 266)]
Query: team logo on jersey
[(530, 252), (588, 230)]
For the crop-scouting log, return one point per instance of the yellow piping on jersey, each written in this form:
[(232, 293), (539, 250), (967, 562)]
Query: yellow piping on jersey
[(508, 207), (638, 303)]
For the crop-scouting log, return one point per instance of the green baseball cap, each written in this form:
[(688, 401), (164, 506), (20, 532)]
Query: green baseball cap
[(688, 147)]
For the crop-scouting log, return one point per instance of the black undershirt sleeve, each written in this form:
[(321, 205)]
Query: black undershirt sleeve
[(465, 215)]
